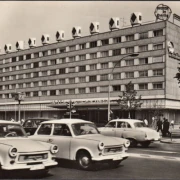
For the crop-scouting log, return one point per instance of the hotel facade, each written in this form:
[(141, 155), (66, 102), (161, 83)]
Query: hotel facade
[(79, 69)]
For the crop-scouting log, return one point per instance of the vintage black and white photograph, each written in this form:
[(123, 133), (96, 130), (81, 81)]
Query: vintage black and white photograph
[(90, 90)]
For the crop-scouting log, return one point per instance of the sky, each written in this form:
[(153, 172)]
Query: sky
[(21, 20)]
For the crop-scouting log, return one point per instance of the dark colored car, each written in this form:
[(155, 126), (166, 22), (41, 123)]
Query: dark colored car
[(30, 125)]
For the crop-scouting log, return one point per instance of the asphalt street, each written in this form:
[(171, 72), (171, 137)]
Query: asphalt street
[(158, 161)]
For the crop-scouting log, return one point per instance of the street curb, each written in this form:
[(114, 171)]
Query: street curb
[(169, 142)]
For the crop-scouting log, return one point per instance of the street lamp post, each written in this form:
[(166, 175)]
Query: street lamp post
[(109, 80)]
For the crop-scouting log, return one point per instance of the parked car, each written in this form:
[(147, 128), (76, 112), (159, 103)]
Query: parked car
[(81, 141), (30, 125), (132, 129), (18, 152)]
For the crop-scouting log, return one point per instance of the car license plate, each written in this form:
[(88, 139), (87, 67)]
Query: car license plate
[(117, 158), (37, 167)]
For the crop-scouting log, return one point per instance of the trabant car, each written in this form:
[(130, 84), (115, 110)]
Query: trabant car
[(18, 152), (80, 140), (132, 129)]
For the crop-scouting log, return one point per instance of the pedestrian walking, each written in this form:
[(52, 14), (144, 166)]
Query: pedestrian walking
[(146, 122), (166, 127), (159, 125)]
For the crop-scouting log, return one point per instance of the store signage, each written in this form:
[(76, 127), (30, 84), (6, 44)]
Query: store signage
[(162, 12), (171, 51)]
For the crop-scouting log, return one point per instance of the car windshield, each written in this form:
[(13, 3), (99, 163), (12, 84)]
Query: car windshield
[(84, 128), (139, 124), (11, 130)]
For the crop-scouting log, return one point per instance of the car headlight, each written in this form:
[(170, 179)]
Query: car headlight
[(13, 152), (101, 146), (127, 143), (54, 149)]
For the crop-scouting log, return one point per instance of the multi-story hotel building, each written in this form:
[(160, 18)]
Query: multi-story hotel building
[(78, 69)]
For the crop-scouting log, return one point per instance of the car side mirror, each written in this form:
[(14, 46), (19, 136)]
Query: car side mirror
[(28, 134)]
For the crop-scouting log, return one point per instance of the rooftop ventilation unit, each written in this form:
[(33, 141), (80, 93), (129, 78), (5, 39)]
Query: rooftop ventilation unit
[(76, 32), (20, 45), (32, 42), (60, 36), (114, 23), (94, 27), (45, 39), (136, 18), (8, 48)]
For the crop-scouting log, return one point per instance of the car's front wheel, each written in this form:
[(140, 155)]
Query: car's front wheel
[(133, 142), (84, 160), (145, 144), (114, 164)]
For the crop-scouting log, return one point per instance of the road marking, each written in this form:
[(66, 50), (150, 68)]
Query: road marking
[(154, 157), (168, 152)]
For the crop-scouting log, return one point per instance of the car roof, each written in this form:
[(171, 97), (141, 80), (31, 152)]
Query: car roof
[(40, 118), (8, 122), (66, 121), (126, 120)]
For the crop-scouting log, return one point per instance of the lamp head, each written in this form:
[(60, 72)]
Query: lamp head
[(134, 55)]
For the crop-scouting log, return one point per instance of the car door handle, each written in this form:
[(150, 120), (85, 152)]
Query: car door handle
[(50, 140)]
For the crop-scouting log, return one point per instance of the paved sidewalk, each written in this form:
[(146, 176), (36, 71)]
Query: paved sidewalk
[(174, 140)]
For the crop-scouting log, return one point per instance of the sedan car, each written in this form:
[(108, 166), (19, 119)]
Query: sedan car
[(80, 140), (132, 129), (30, 125), (18, 152)]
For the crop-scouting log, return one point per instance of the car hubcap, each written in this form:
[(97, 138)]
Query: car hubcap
[(84, 161)]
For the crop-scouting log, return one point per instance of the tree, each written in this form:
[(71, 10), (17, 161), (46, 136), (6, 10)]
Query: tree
[(178, 75), (129, 100)]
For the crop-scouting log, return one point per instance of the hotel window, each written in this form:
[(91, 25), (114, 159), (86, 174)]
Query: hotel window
[(92, 89), (28, 56), (129, 74), (158, 85), (71, 91), (129, 50), (53, 62), (104, 54), (158, 33), (71, 69), (92, 78), (82, 57), (36, 84), (117, 64), (143, 73), (13, 77), (20, 76), (53, 72), (72, 48), (20, 67), (82, 46), (103, 88), (129, 62), (104, 42), (21, 58), (53, 82), (44, 53), (82, 68), (13, 59), (44, 93), (53, 51), (6, 69), (143, 61), (117, 88), (116, 52), (36, 64), (157, 59), (28, 66), (72, 59), (92, 67), (82, 79), (158, 72), (143, 48), (143, 86), (104, 65), (6, 78), (104, 77), (117, 40), (1, 71), (44, 73), (6, 87), (28, 85), (93, 44), (71, 80), (93, 55), (44, 63), (35, 74), (52, 92), (157, 46), (82, 90), (61, 81), (28, 94), (36, 55), (130, 87), (6, 96), (62, 71), (13, 86), (143, 35), (62, 50), (62, 60), (117, 76), (61, 91), (130, 37), (44, 83)]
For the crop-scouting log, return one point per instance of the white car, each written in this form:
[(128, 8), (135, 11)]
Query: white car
[(80, 140), (18, 152), (132, 129)]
